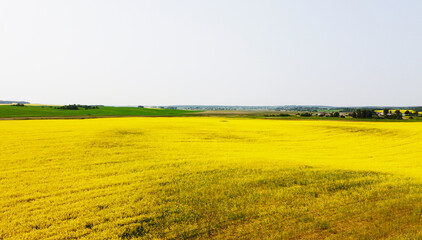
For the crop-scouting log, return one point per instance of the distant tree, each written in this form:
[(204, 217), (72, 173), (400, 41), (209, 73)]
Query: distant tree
[(385, 112), (358, 113), (397, 115), (407, 112), (335, 114), (77, 106), (363, 113), (354, 115), (369, 113), (140, 106), (306, 114), (69, 107)]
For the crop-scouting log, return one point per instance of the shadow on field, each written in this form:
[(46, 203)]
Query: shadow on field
[(366, 131)]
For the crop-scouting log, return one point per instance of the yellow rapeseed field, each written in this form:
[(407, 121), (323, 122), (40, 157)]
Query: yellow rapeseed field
[(394, 110), (219, 178)]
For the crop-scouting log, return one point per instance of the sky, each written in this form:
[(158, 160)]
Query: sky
[(220, 52)]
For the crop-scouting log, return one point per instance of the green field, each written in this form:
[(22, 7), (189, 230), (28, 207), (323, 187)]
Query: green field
[(8, 111)]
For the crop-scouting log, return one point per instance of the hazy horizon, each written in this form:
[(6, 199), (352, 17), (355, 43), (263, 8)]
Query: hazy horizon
[(225, 105), (245, 53)]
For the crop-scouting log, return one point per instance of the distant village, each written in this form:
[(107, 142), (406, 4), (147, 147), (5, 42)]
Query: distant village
[(367, 113)]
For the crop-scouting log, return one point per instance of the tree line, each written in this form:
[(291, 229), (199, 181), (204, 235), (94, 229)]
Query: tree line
[(77, 107), (387, 114)]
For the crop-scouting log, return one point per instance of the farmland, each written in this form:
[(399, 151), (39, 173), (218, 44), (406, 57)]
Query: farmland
[(29, 111), (210, 177)]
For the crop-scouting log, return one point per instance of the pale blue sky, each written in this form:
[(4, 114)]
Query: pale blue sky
[(212, 52)]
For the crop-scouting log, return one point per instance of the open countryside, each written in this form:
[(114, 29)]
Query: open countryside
[(195, 119), (45, 111), (209, 178)]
